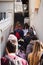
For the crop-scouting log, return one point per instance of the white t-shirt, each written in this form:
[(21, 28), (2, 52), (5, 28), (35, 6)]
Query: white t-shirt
[(25, 31)]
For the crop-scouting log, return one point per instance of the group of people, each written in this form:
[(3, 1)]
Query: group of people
[(23, 47)]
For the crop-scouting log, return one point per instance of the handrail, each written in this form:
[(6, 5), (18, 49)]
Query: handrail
[(4, 29), (4, 22)]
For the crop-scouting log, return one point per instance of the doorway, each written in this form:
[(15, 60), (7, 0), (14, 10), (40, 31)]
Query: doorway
[(20, 16)]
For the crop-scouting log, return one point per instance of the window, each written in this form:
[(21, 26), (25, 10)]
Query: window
[(2, 15)]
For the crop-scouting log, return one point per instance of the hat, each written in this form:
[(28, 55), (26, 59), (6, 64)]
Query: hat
[(12, 37)]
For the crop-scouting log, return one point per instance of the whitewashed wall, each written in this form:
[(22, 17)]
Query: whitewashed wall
[(6, 25), (5, 29), (31, 10), (6, 7), (31, 5), (6, 0), (37, 21)]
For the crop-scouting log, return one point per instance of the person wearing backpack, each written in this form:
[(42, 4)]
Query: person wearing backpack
[(11, 58)]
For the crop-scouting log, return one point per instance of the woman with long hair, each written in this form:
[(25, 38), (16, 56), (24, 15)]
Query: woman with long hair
[(34, 57)]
